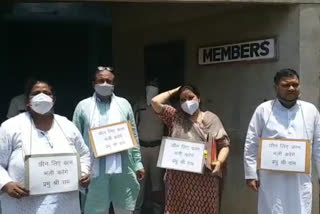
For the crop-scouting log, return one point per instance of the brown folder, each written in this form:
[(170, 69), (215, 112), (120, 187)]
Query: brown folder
[(211, 147)]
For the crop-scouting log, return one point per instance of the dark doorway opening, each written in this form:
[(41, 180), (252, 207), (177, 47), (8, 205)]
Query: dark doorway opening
[(64, 53), (165, 62)]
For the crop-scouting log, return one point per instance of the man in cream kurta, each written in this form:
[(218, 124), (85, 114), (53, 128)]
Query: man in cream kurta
[(283, 118), (114, 176)]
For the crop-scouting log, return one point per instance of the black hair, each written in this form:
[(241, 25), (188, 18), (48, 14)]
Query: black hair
[(286, 72), (102, 68), (30, 87), (190, 87)]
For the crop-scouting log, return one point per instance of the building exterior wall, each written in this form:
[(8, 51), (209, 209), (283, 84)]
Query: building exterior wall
[(231, 90), (309, 46), (310, 51)]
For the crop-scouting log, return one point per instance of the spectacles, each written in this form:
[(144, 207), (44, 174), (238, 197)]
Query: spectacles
[(102, 68)]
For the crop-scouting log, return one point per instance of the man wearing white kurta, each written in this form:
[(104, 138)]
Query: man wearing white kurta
[(286, 117)]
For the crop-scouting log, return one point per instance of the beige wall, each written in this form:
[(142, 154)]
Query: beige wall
[(231, 90)]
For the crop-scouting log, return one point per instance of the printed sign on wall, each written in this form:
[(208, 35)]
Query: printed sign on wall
[(245, 51)]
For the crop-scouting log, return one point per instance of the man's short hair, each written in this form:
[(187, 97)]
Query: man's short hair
[(286, 72)]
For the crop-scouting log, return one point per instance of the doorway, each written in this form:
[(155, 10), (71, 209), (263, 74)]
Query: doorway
[(165, 62), (64, 53)]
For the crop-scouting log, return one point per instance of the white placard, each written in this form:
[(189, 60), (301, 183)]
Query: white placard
[(111, 139), (47, 174), (182, 155), (244, 51), (284, 155)]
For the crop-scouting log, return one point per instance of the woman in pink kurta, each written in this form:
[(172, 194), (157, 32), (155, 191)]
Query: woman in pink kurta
[(186, 192)]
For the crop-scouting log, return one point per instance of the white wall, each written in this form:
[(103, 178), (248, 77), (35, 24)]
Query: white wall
[(231, 90)]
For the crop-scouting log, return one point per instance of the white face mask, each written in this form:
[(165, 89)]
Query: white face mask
[(190, 106), (41, 103), (104, 89), (151, 92)]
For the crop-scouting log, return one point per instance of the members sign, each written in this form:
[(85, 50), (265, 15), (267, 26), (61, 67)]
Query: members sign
[(245, 51)]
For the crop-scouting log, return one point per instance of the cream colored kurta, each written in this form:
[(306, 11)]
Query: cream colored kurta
[(282, 193), (15, 137)]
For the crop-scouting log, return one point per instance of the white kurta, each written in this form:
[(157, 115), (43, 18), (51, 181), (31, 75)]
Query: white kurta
[(282, 193), (15, 140)]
